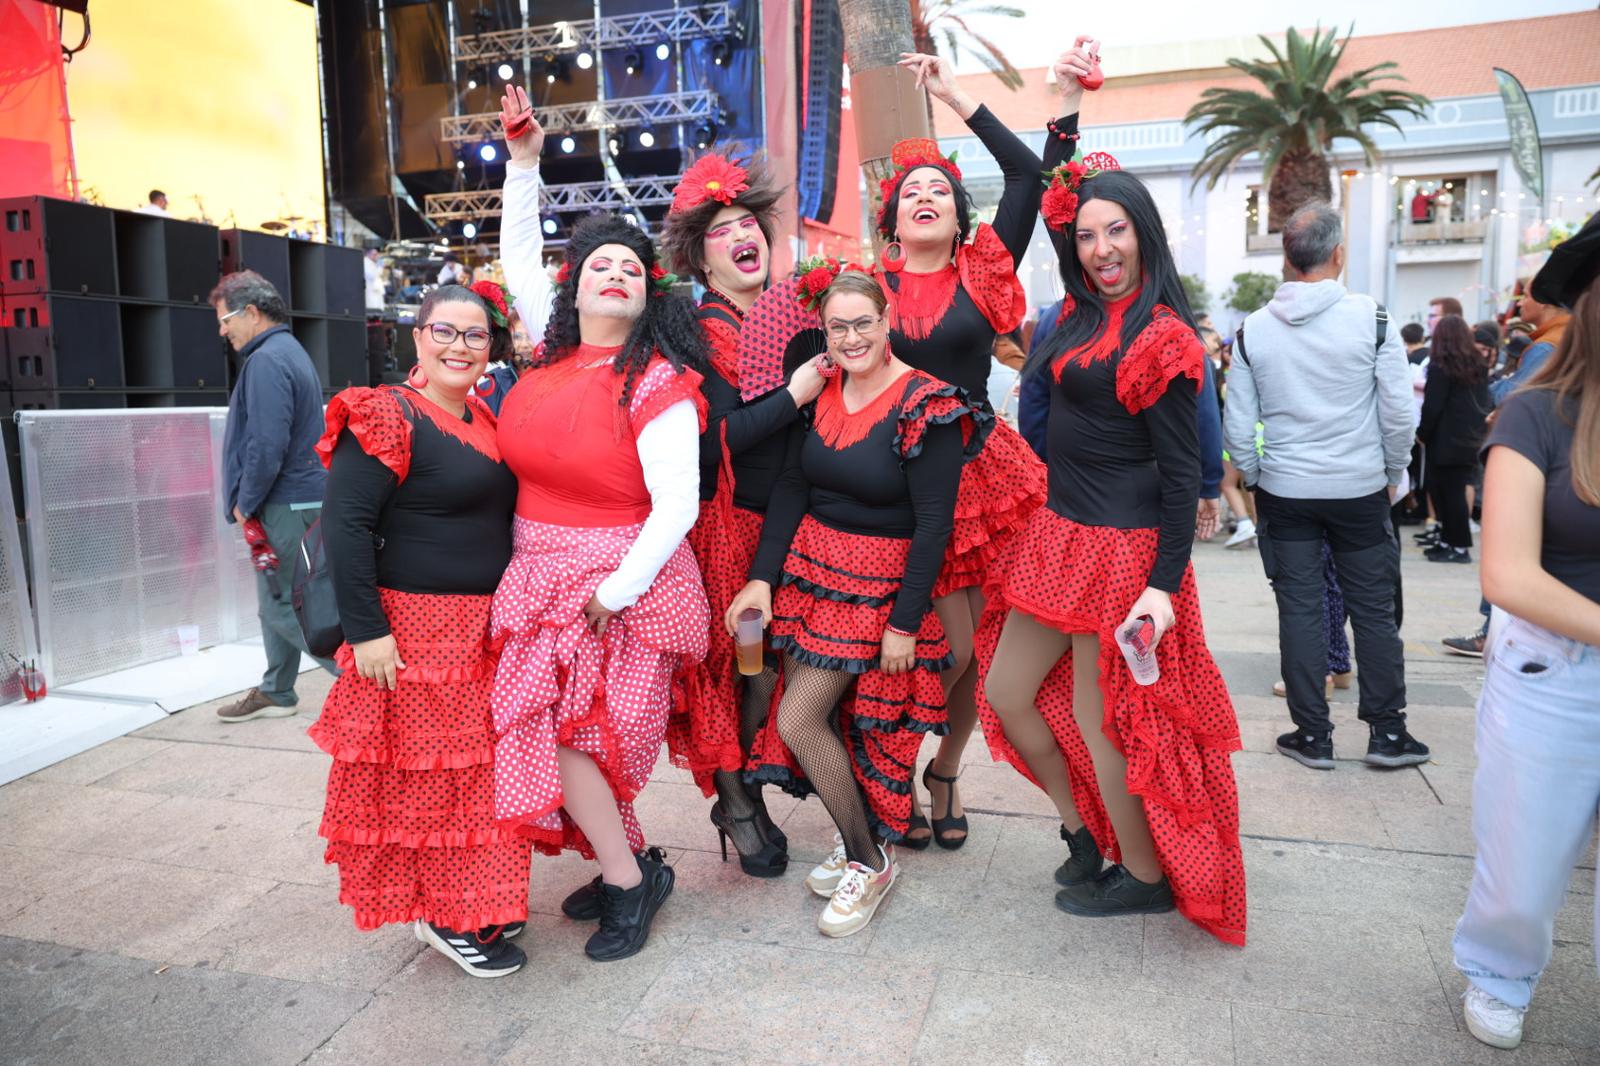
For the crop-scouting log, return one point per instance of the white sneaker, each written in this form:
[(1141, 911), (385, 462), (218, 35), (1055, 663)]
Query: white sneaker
[(856, 899), (826, 875), (1474, 526), (1491, 1020), (1243, 536)]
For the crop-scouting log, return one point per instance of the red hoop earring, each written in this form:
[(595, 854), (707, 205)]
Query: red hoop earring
[(417, 377), (893, 257)]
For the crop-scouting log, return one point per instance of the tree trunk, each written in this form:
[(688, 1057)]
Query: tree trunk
[(1302, 177), (887, 105)]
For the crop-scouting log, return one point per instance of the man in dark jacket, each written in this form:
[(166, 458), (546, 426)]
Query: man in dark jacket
[(271, 472)]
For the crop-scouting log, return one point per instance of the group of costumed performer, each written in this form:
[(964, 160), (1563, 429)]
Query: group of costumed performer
[(602, 603), (719, 230), (1139, 773)]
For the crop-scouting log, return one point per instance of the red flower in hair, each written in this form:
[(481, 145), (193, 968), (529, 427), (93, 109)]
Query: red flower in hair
[(815, 275), (1060, 204), (907, 156), (712, 177), (1060, 207), (564, 275), (498, 299)]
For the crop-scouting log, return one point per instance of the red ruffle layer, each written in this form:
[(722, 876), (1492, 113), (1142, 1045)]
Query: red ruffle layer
[(1000, 489)]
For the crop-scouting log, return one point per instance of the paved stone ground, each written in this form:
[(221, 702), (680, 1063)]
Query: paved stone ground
[(163, 899)]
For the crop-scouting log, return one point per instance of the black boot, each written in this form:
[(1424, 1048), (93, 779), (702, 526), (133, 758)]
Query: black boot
[(1085, 861), (626, 913)]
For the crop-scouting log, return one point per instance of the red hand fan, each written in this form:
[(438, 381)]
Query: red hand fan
[(778, 334)]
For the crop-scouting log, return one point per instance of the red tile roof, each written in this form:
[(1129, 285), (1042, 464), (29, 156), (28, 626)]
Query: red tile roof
[(1546, 52)]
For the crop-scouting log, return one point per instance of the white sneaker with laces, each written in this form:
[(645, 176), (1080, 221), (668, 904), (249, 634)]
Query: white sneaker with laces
[(1243, 536), (826, 875), (1493, 1021), (856, 899)]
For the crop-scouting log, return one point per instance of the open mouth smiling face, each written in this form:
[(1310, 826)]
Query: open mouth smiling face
[(736, 250), (927, 209)]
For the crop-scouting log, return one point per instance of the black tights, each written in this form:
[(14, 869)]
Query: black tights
[(741, 800), (808, 725)]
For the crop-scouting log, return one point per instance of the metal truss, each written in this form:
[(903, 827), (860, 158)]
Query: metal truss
[(663, 109), (577, 198), (561, 38)]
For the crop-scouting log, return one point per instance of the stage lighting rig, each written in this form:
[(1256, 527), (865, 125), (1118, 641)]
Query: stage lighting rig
[(569, 144), (705, 134), (633, 61), (647, 138), (628, 112), (663, 51), (721, 52), (649, 29), (488, 152), (550, 226), (506, 72), (469, 230), (585, 60)]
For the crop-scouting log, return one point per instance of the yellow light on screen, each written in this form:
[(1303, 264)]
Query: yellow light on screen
[(208, 98)]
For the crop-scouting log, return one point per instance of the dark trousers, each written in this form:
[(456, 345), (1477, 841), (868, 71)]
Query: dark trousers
[(280, 630), (1291, 533), (1447, 487)]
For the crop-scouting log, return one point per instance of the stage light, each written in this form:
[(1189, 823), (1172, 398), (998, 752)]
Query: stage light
[(469, 230), (705, 135), (472, 83), (663, 51), (616, 146), (505, 72), (461, 164), (550, 226), (488, 152), (721, 51), (632, 60), (647, 139), (585, 60), (569, 144)]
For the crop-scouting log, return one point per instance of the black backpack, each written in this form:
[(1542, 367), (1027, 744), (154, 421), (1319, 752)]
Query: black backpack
[(316, 607)]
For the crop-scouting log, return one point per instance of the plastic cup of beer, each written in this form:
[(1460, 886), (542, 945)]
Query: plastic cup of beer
[(748, 640), (1136, 641)]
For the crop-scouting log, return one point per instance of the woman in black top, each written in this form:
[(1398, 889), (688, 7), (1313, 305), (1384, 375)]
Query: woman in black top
[(853, 544), (417, 525), (1455, 403), (1138, 772)]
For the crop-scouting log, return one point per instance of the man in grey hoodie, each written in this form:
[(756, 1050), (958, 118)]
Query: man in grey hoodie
[(1322, 370)]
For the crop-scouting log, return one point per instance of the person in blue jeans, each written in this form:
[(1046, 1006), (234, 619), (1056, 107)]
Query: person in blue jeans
[(1537, 786)]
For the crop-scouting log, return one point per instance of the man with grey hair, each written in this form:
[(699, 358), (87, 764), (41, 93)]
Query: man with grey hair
[(1320, 367), (271, 473)]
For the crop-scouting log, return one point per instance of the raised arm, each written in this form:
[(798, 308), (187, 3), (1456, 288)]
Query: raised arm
[(521, 239)]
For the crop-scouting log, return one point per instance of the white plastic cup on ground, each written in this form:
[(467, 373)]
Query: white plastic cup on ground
[(1136, 639), (188, 640)]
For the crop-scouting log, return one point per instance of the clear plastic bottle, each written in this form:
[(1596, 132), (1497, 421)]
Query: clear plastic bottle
[(1136, 639)]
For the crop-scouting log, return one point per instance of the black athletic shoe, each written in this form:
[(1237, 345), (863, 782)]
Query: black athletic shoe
[(1085, 861), (583, 905), (511, 930), (1471, 647), (1115, 892), (1308, 749), (1445, 553), (626, 912), (485, 953), (1431, 534), (1392, 749)]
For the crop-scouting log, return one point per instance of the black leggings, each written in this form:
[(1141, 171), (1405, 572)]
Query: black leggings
[(1447, 486)]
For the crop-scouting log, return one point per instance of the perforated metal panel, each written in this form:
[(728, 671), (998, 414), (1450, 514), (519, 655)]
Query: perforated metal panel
[(17, 640), (127, 537)]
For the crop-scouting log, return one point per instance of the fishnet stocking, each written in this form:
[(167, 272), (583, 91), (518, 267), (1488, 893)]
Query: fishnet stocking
[(807, 725)]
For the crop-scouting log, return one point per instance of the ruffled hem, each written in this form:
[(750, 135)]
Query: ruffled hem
[(989, 275), (421, 673), (1000, 490), (659, 389), (384, 754), (935, 403), (459, 919), (472, 838), (1165, 349), (794, 647), (376, 421)]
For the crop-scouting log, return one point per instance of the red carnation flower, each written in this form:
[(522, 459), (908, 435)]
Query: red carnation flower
[(564, 274), (1059, 207), (496, 296), (712, 177), (816, 280)]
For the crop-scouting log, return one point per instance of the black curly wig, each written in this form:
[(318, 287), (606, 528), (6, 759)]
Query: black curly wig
[(1161, 283), (667, 325), (891, 207)]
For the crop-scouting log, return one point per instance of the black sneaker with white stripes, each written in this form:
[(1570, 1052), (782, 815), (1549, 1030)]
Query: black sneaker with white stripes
[(483, 953)]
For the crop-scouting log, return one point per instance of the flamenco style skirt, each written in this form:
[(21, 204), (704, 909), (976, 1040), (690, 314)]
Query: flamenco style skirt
[(560, 685), (409, 817), (1001, 488), (1177, 735), (834, 600), (703, 733)]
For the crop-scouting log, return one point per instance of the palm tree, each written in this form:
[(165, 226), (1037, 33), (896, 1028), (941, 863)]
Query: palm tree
[(876, 32), (1294, 123), (933, 19)]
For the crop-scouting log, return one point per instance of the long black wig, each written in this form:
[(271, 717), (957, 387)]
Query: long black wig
[(1160, 274), (667, 325)]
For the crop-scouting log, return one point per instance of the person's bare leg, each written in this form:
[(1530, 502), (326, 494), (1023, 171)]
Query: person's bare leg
[(589, 801), (1027, 652), (1125, 810), (1233, 492)]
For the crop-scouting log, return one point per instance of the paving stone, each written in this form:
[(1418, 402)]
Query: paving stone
[(200, 725), (542, 1047), (275, 843), (796, 1006), (1434, 829), (1293, 816), (1265, 1037), (250, 775), (982, 1018), (49, 814), (390, 1029), (60, 1005), (89, 766)]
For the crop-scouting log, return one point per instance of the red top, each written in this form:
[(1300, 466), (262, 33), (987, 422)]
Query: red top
[(565, 434)]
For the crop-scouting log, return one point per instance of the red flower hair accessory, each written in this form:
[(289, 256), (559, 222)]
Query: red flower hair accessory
[(1060, 204), (498, 299), (712, 177), (907, 156), (815, 275), (564, 275), (662, 281)]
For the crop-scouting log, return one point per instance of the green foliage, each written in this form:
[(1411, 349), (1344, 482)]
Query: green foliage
[(1303, 109), (1194, 287), (933, 19), (1251, 291)]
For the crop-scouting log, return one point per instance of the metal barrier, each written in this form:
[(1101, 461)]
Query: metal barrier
[(127, 537), (18, 642)]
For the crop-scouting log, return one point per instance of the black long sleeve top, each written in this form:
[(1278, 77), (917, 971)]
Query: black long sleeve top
[(866, 488), (444, 530), (1454, 414), (957, 350), (757, 443)]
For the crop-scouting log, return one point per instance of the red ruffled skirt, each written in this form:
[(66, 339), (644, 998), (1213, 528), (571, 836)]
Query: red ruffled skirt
[(830, 611), (409, 817), (559, 685), (703, 733), (1000, 489), (1177, 735)]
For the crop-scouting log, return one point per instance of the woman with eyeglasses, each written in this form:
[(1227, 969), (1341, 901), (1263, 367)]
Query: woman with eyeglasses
[(851, 549), (417, 528), (602, 603)]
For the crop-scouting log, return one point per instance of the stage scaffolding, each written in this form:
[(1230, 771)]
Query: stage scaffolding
[(662, 109), (565, 38)]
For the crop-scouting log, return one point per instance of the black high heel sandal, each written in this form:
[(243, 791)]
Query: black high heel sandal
[(942, 827), (770, 861)]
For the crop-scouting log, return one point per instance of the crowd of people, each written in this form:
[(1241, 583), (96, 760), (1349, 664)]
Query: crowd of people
[(781, 534)]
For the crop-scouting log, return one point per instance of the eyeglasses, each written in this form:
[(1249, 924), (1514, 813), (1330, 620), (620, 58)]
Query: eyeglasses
[(230, 314), (445, 333), (864, 327)]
